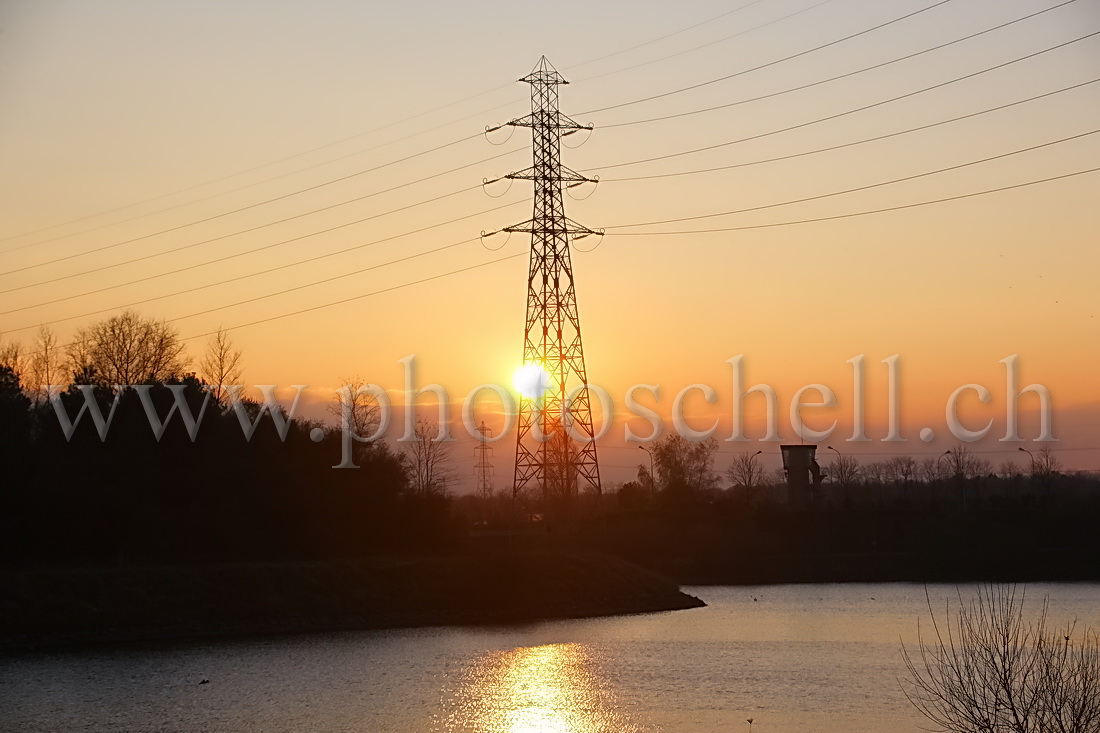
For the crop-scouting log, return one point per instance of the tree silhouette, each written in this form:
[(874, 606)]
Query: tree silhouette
[(11, 356), (685, 470), (127, 349), (45, 361), (745, 470), (221, 365), (961, 463), (845, 470), (429, 461), (988, 671)]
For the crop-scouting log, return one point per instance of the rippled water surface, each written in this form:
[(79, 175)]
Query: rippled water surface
[(792, 658)]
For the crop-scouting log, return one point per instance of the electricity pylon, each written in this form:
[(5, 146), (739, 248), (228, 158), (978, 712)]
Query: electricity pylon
[(484, 467), (555, 445)]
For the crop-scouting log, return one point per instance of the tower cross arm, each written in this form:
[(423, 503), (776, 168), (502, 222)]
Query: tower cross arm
[(548, 119), (570, 227), (565, 175)]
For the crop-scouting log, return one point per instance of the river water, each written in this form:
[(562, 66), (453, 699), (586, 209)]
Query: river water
[(792, 658)]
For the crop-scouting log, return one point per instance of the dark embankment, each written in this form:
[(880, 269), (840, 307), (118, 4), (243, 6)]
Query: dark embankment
[(48, 607), (1024, 544)]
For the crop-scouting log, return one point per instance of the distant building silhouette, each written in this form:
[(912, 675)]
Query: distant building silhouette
[(804, 474)]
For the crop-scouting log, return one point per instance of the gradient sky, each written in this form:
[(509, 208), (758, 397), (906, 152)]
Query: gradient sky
[(162, 114)]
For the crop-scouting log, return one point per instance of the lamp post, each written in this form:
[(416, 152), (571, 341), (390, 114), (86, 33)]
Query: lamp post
[(752, 463), (945, 453), (958, 476), (1031, 468), (844, 484), (652, 484)]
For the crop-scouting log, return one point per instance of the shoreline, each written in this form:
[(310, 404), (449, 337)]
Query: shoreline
[(54, 608)]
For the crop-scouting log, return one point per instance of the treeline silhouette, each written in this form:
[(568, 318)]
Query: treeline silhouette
[(946, 518), (133, 499), (140, 536)]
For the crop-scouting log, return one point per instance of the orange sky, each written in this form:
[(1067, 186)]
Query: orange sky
[(200, 107)]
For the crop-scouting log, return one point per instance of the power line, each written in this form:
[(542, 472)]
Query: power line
[(664, 37), (770, 63), (449, 273), (192, 245), (267, 165), (401, 286), (693, 49), (861, 188), (618, 165), (239, 278), (242, 254), (229, 191), (621, 226), (839, 76), (317, 165), (650, 223), (863, 213), (784, 223), (323, 281), (262, 203), (724, 229), (244, 231), (853, 143), (325, 146), (850, 111)]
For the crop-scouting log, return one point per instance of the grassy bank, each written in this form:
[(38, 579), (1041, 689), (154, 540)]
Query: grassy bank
[(58, 606)]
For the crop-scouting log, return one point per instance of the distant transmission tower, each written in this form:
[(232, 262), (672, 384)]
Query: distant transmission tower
[(484, 467), (545, 453)]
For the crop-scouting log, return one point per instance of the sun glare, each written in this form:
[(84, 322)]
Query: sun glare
[(530, 380)]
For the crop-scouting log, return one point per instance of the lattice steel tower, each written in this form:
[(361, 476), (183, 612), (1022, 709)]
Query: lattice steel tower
[(556, 459), (483, 469)]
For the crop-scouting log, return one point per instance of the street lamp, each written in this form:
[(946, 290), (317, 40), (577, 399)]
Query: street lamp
[(752, 464), (945, 453), (843, 484), (1031, 469), (652, 484), (958, 475)]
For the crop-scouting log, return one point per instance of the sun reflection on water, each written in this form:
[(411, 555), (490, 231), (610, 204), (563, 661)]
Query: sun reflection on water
[(553, 688)]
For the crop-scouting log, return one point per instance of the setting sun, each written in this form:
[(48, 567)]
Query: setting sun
[(530, 380)]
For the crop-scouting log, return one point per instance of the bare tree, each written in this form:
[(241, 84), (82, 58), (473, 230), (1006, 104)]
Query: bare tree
[(363, 414), (221, 365), (684, 468), (363, 410), (11, 356), (929, 470), (988, 671), (745, 470), (78, 357), (45, 360), (877, 472), (845, 470), (429, 461), (1045, 464), (961, 463), (127, 349), (1009, 470), (901, 469)]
